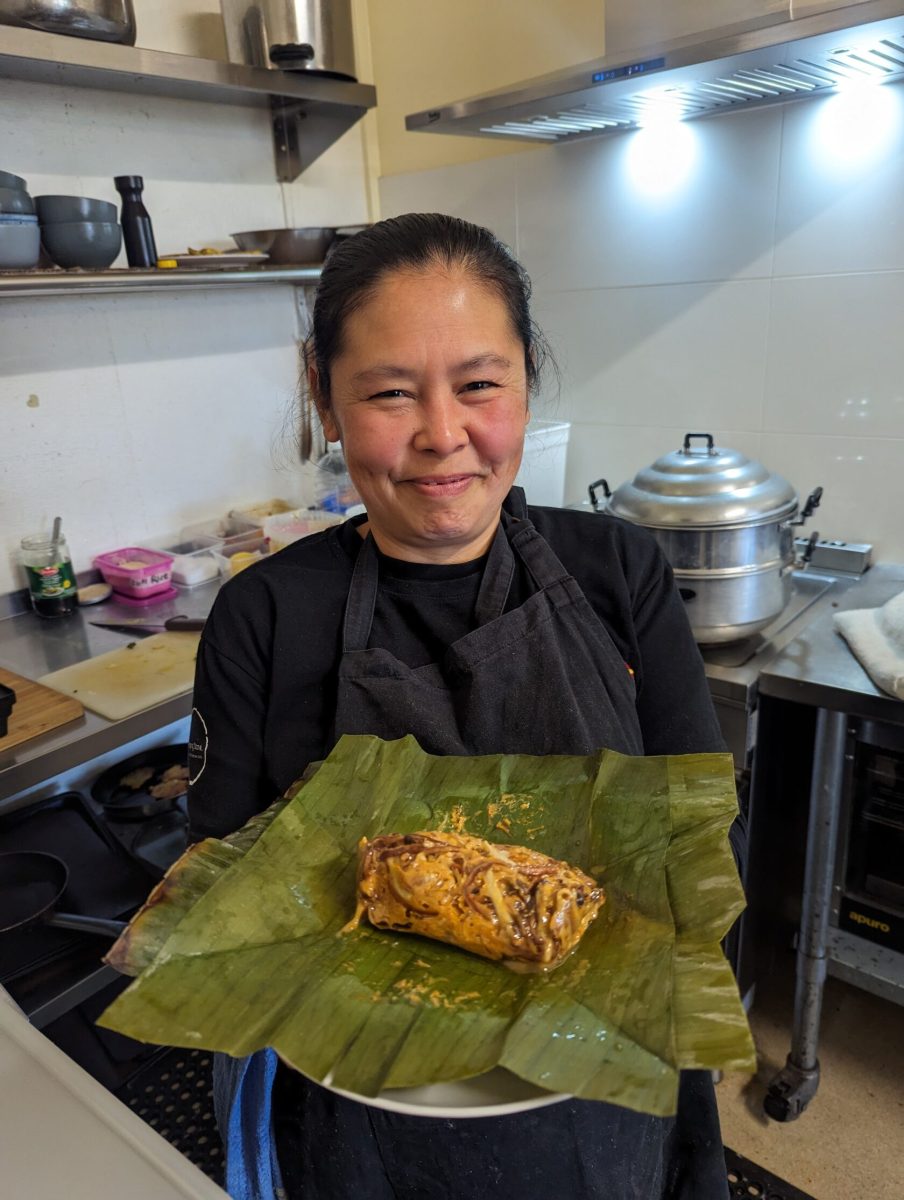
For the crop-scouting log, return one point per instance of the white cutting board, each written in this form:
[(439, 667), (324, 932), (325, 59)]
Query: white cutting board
[(125, 681)]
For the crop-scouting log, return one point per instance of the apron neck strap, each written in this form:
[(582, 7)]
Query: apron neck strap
[(515, 504), (362, 598), (497, 578)]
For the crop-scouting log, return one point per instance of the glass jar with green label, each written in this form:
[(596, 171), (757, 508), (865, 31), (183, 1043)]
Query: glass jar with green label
[(51, 579)]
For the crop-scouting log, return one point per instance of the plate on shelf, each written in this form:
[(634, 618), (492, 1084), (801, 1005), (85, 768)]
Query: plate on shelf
[(216, 262)]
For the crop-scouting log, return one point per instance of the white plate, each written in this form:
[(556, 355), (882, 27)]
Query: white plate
[(498, 1093), (201, 262)]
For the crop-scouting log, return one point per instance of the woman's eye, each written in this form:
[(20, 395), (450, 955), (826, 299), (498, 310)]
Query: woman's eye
[(389, 394), (480, 385)]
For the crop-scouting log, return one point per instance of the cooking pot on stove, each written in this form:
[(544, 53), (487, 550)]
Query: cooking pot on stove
[(725, 523)]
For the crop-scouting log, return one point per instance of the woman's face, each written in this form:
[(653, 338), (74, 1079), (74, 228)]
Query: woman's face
[(429, 400)]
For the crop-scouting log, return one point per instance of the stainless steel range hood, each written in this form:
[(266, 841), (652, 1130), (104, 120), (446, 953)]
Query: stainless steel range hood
[(763, 61)]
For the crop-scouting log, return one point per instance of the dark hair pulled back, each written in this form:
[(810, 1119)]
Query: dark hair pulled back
[(416, 242)]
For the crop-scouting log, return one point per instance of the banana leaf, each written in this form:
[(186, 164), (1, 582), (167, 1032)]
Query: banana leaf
[(240, 946)]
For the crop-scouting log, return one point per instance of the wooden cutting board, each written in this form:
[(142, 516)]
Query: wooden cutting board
[(126, 681), (37, 710)]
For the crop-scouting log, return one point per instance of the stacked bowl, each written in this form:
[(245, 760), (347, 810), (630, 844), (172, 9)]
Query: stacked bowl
[(79, 232), (20, 239)]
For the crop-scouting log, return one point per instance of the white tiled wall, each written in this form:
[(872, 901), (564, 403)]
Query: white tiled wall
[(133, 415), (745, 276)]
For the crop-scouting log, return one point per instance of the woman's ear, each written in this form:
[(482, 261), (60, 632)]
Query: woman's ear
[(324, 412)]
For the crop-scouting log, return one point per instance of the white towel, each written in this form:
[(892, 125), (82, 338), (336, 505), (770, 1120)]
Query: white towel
[(876, 636)]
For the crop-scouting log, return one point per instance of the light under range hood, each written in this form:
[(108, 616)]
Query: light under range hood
[(725, 70)]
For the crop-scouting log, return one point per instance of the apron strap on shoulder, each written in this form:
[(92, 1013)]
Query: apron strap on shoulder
[(515, 504), (362, 599)]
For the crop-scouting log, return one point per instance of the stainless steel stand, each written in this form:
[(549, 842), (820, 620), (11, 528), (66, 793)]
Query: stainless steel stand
[(795, 1085)]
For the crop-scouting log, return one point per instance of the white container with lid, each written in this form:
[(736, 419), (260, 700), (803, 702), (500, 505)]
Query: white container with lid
[(542, 470)]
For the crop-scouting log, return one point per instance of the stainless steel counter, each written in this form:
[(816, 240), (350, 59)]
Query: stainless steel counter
[(32, 647), (733, 671), (818, 668)]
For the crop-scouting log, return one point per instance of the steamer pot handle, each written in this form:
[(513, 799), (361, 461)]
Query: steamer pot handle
[(810, 507), (591, 491), (807, 552), (710, 445)]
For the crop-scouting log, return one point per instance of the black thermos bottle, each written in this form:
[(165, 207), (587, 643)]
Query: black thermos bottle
[(137, 231)]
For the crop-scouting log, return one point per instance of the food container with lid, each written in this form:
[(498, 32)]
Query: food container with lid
[(284, 528), (137, 572), (193, 560), (233, 558), (725, 523)]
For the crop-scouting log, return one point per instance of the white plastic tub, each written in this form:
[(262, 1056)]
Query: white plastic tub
[(542, 471)]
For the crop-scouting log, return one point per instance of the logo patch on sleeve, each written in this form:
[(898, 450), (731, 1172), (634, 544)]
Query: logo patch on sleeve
[(197, 747)]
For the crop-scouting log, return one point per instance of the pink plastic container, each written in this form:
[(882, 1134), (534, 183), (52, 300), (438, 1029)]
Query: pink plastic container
[(136, 572)]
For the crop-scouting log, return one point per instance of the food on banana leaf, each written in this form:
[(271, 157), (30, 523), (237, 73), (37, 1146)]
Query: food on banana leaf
[(502, 902)]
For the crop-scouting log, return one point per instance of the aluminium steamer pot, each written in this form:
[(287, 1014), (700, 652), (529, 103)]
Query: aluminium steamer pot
[(726, 525)]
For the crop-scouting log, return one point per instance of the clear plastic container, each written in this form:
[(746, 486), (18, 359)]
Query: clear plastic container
[(333, 488), (200, 566), (226, 529), (285, 528), (136, 571), (193, 560), (231, 559), (256, 514)]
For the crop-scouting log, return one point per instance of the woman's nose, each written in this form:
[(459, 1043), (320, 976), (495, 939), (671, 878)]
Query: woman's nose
[(442, 425)]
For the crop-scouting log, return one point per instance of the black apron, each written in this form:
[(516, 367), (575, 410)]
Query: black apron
[(543, 679)]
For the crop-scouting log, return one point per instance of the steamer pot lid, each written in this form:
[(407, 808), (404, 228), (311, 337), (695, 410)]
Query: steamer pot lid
[(704, 485)]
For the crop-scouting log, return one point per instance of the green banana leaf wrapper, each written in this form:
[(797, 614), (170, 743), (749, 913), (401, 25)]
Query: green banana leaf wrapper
[(239, 947)]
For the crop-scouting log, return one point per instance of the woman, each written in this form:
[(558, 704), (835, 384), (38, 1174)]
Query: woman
[(453, 612)]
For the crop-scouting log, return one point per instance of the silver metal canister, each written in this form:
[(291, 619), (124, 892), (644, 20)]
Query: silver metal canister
[(291, 35)]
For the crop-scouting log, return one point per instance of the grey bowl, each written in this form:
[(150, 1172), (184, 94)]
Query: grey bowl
[(57, 210), (15, 200), (8, 180), (295, 247), (89, 244), (20, 246)]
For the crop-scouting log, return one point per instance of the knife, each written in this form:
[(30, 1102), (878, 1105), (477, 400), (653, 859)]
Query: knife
[(144, 629)]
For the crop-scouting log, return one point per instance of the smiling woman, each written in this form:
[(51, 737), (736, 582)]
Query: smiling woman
[(422, 360), (454, 612), (429, 398)]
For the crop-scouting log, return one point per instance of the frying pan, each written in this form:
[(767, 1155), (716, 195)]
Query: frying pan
[(128, 804), (31, 883)]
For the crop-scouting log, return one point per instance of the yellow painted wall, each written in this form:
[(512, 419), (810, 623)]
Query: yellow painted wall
[(429, 52)]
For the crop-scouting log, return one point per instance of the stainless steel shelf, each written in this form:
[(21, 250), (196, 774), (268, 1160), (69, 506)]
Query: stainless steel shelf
[(76, 283), (309, 112), (874, 968)]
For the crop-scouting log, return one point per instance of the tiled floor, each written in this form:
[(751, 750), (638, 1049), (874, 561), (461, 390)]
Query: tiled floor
[(849, 1144)]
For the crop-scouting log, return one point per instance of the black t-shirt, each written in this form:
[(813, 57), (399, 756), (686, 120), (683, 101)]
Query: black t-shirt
[(266, 673)]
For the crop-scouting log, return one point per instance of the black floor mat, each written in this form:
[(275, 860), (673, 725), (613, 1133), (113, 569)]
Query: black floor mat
[(747, 1180), (173, 1092)]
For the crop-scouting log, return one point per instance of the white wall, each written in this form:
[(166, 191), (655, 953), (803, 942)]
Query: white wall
[(424, 54), (133, 415), (752, 287)]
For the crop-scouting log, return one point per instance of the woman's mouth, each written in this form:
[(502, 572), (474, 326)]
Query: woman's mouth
[(441, 485)]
